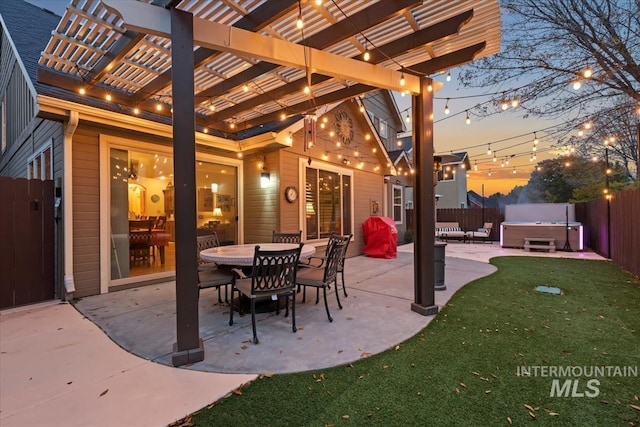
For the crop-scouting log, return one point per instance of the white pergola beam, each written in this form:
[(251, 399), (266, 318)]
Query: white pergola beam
[(148, 19)]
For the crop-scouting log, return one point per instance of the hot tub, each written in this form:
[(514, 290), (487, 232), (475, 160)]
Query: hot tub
[(513, 233)]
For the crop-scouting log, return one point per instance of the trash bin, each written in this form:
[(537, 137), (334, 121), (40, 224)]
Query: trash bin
[(438, 266), (380, 237)]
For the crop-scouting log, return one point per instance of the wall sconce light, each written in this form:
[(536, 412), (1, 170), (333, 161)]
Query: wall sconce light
[(265, 179), (214, 187)]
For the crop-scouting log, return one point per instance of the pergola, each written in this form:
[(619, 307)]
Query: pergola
[(237, 69)]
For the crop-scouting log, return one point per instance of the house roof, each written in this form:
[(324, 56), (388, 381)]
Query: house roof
[(30, 29), (123, 49)]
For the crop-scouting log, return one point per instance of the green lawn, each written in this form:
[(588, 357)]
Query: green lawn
[(461, 369)]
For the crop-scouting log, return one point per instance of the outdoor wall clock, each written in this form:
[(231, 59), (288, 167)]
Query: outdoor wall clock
[(344, 127), (291, 194)]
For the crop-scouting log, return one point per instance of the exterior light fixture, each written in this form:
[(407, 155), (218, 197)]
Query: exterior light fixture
[(489, 150), (82, 91), (437, 163), (449, 76), (446, 107), (402, 81), (468, 119), (265, 179), (535, 139), (587, 73)]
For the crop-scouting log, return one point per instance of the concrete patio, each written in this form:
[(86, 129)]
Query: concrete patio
[(59, 368)]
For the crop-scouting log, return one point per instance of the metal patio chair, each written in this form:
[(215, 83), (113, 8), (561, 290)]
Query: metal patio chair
[(210, 275), (286, 237)]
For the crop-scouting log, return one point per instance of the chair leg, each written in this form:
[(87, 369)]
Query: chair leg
[(253, 320), (337, 293), (304, 293), (231, 311), (317, 295), (326, 305), (219, 296), (344, 288), (293, 312)]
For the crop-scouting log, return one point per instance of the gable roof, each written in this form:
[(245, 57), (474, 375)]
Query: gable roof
[(30, 28)]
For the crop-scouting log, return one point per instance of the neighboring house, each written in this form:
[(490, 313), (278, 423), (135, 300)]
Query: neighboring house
[(452, 181), (400, 192)]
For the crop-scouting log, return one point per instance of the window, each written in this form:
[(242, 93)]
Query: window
[(39, 165), (398, 204), (447, 173), (382, 128), (3, 120), (328, 203)]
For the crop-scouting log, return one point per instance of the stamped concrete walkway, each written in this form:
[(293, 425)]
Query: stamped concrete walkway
[(57, 367)]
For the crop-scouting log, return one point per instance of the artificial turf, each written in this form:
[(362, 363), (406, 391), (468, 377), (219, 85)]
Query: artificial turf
[(462, 368)]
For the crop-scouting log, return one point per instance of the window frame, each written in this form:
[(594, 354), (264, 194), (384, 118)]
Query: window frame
[(400, 188), (452, 174), (3, 122), (38, 158), (327, 167)]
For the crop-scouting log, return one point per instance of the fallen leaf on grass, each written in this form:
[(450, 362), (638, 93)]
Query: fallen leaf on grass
[(237, 392), (346, 417), (457, 390), (636, 407), (475, 373), (487, 391), (532, 415), (267, 375), (397, 347), (365, 354), (104, 392), (529, 407), (463, 385), (509, 421)]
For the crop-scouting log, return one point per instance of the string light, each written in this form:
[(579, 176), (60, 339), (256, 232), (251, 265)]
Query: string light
[(468, 119), (408, 118), (514, 169), (108, 97), (576, 84), (82, 91), (475, 165), (448, 76), (402, 81), (515, 102), (446, 107), (503, 104), (495, 159), (587, 73), (535, 139), (489, 149)]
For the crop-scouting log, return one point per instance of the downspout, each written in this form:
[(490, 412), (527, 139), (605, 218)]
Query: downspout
[(67, 193)]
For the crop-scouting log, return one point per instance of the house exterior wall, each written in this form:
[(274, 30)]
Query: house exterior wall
[(262, 209), (453, 192), (378, 108)]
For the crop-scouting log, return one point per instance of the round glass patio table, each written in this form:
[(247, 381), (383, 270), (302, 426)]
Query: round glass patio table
[(242, 255)]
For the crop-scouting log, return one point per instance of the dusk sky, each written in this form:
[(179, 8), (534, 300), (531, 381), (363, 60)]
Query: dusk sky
[(452, 134)]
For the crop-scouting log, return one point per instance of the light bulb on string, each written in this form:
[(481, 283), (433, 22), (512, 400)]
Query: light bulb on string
[(408, 118), (515, 102), (366, 56), (446, 107), (402, 81), (489, 150), (534, 148), (576, 84), (514, 169), (580, 132), (587, 125), (535, 139), (503, 104), (489, 172), (449, 76), (495, 159), (475, 165), (587, 73), (468, 119)]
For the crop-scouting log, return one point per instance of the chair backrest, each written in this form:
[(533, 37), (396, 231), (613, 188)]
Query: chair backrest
[(161, 222), (332, 239), (286, 237), (207, 242), (274, 271), (488, 225), (335, 256)]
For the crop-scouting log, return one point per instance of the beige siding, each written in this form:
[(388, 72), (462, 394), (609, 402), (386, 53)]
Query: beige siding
[(368, 186), (261, 207), (289, 212), (86, 212)]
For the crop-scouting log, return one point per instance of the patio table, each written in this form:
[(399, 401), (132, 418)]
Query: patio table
[(242, 255)]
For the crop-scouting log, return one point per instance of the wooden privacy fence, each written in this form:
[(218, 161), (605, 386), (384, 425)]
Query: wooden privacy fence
[(469, 219), (27, 272), (613, 231)]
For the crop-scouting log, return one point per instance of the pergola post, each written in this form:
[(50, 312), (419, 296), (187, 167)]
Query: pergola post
[(424, 201), (188, 348)]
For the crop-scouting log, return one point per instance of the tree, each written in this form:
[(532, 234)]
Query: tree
[(572, 179), (550, 45)]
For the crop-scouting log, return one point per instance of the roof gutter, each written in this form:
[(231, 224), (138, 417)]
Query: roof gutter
[(69, 129)]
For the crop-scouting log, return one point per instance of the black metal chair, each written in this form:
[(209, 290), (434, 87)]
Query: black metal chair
[(286, 237), (322, 278), (140, 240), (318, 262), (210, 275), (273, 276)]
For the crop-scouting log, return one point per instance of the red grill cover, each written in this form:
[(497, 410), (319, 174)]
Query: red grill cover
[(380, 237)]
